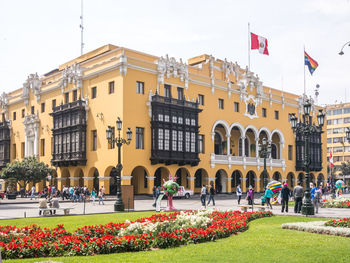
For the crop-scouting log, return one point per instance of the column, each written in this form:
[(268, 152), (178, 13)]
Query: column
[(126, 180), (89, 183), (60, 182), (105, 182), (191, 183), (36, 142), (257, 148), (150, 184), (243, 146), (74, 181), (258, 185), (243, 182), (229, 179), (228, 142)]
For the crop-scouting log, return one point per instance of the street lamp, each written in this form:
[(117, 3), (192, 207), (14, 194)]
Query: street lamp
[(306, 127), (264, 152), (118, 206), (341, 51)]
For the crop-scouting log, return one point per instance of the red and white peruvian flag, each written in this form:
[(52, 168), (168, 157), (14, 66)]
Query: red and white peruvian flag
[(258, 42), (331, 159)]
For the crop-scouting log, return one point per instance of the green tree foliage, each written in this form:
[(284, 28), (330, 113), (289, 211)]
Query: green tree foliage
[(345, 168), (29, 170)]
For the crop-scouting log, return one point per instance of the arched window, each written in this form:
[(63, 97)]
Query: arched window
[(198, 179), (218, 144), (273, 151), (246, 147)]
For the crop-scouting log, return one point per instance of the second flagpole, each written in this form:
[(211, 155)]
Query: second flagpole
[(248, 47)]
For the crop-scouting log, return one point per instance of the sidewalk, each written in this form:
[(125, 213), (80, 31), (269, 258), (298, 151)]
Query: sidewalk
[(30, 209)]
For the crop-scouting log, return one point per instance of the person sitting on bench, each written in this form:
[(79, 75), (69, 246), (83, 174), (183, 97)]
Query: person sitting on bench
[(54, 203), (43, 204)]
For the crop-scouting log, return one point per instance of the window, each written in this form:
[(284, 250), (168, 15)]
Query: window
[(140, 87), (276, 114), (166, 139), (338, 140), (346, 120), (337, 112), (75, 95), (42, 107), (140, 138), (110, 144), (347, 149), (94, 140), (174, 140), (66, 98), (290, 152), (236, 106), (22, 149), (338, 158), (337, 121), (346, 110), (329, 140), (14, 151), (264, 112), (42, 147), (329, 122), (23, 113), (14, 115), (111, 87), (32, 110), (53, 104), (167, 91), (201, 99), (200, 143), (329, 131), (221, 104), (328, 112), (93, 92), (180, 93), (338, 149), (160, 139), (337, 130)]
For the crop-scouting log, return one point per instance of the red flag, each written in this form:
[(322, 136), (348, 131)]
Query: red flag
[(331, 159), (258, 42)]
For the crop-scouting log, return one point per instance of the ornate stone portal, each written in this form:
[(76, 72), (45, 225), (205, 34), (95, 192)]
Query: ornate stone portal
[(31, 125)]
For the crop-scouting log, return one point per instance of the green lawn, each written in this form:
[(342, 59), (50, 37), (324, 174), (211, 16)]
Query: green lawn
[(265, 241)]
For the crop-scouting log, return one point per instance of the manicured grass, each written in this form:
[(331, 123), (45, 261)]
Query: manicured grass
[(265, 241), (71, 223)]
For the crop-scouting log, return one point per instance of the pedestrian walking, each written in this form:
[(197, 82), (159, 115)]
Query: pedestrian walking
[(32, 192), (250, 195), (298, 194), (285, 194), (316, 196), (93, 195), (211, 194), (268, 195), (100, 197), (239, 193), (203, 194)]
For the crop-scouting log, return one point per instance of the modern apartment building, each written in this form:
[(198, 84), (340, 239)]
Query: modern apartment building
[(201, 120)]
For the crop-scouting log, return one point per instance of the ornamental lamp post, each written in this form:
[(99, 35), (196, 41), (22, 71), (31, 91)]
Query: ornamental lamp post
[(305, 127), (118, 206), (341, 51), (264, 152)]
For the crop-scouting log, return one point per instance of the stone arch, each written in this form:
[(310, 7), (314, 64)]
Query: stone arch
[(253, 128), (236, 179), (139, 180), (320, 179), (65, 176), (112, 174), (267, 131), (250, 180), (279, 133), (223, 123), (312, 178), (301, 178), (94, 175), (160, 175), (290, 179), (277, 176), (264, 180), (78, 173), (200, 178), (182, 175), (221, 181), (239, 126), (236, 133)]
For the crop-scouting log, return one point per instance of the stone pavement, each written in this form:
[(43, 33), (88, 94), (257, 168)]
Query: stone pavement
[(21, 208)]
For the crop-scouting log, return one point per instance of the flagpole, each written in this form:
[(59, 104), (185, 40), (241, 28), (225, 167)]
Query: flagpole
[(304, 72), (248, 47)]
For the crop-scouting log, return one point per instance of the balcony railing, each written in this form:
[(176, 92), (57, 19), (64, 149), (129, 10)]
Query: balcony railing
[(167, 100), (245, 161)]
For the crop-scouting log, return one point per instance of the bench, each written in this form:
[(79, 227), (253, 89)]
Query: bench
[(245, 208), (46, 211)]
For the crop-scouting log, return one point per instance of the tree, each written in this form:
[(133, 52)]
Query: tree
[(345, 168), (29, 170)]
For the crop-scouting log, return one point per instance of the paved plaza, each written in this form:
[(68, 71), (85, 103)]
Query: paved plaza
[(24, 207)]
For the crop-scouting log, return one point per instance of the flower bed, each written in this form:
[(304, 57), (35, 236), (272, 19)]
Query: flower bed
[(318, 227), (157, 231), (344, 222), (337, 203)]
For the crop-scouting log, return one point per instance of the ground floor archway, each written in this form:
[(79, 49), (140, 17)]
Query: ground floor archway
[(221, 181), (236, 180), (264, 180), (139, 180), (200, 179), (290, 179), (182, 175), (250, 180)]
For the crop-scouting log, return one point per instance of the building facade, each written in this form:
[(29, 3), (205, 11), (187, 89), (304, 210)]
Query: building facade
[(338, 121), (201, 121)]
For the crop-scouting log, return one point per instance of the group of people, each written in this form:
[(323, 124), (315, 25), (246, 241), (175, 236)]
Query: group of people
[(210, 193), (79, 194)]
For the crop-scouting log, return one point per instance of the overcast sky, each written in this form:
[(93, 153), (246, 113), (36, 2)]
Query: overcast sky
[(39, 35)]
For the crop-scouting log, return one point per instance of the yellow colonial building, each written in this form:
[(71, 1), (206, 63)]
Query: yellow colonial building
[(201, 120)]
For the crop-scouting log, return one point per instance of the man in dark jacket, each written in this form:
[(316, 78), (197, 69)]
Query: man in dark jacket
[(285, 194), (298, 194)]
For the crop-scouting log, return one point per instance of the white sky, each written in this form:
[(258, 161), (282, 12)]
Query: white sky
[(39, 35)]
